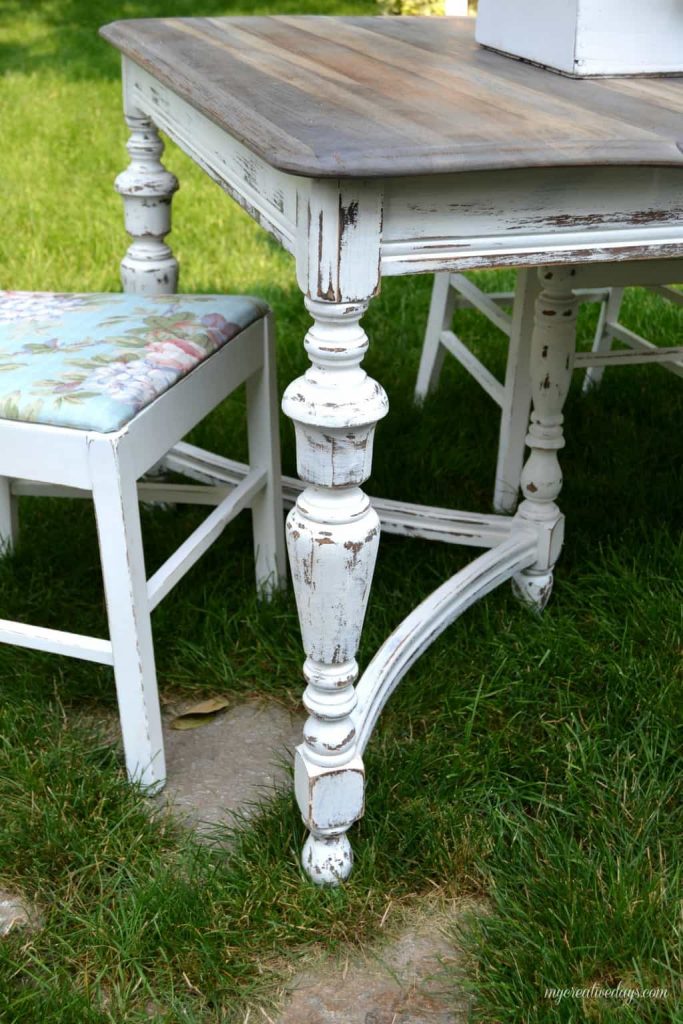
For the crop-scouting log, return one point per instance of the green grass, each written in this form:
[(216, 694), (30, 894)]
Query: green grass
[(531, 761)]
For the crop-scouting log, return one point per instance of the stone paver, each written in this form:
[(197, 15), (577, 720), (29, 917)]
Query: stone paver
[(411, 980), (229, 763), (15, 913)]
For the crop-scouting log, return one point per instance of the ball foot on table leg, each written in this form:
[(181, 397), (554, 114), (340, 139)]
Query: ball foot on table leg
[(533, 589), (327, 860)]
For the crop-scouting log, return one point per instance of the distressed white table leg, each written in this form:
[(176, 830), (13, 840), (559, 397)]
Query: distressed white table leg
[(332, 537), (149, 267), (552, 354)]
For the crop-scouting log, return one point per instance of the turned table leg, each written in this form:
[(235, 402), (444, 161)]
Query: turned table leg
[(146, 187), (553, 345), (332, 538)]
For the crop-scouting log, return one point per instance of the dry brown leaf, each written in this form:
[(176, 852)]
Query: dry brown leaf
[(200, 714)]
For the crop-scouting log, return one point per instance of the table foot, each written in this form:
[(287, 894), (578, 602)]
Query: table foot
[(533, 589), (327, 860)]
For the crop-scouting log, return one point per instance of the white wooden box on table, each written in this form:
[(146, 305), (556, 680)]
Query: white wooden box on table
[(587, 37)]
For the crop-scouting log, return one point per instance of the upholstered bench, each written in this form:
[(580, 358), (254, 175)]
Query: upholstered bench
[(94, 391)]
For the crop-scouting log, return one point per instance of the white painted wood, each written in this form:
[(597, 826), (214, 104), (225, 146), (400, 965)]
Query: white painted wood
[(647, 273), (481, 301), (508, 298), (641, 352), (441, 310), (130, 628), (150, 492), (530, 217), (56, 641), (201, 539), (338, 235), (446, 525), (76, 463), (267, 511), (44, 453), (426, 622), (672, 294), (491, 385), (553, 343), (514, 395), (587, 37), (602, 342), (9, 517), (149, 267)]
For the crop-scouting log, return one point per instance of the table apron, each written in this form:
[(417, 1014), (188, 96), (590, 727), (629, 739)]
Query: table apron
[(531, 217), (463, 221)]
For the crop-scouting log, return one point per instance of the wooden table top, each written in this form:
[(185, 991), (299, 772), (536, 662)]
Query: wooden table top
[(386, 96)]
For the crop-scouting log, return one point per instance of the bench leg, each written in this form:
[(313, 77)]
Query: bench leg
[(130, 629), (264, 453), (9, 518)]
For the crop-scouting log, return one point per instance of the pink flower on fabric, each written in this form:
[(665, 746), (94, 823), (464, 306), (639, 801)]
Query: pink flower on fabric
[(219, 330), (178, 354)]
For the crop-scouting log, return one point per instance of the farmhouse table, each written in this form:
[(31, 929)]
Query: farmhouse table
[(384, 146)]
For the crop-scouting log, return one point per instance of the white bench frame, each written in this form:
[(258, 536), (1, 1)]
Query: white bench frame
[(40, 459)]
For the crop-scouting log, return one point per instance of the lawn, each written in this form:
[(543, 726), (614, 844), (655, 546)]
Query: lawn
[(533, 762)]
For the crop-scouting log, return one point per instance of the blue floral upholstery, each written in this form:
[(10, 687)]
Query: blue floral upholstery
[(93, 361)]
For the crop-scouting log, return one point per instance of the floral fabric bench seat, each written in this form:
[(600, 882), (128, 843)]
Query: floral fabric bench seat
[(93, 361)]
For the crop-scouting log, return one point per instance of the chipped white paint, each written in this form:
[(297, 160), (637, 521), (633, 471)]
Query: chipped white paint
[(530, 217), (146, 187), (332, 537), (449, 526), (76, 462)]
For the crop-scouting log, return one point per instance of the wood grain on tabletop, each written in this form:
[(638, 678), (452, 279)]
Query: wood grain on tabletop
[(378, 96)]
